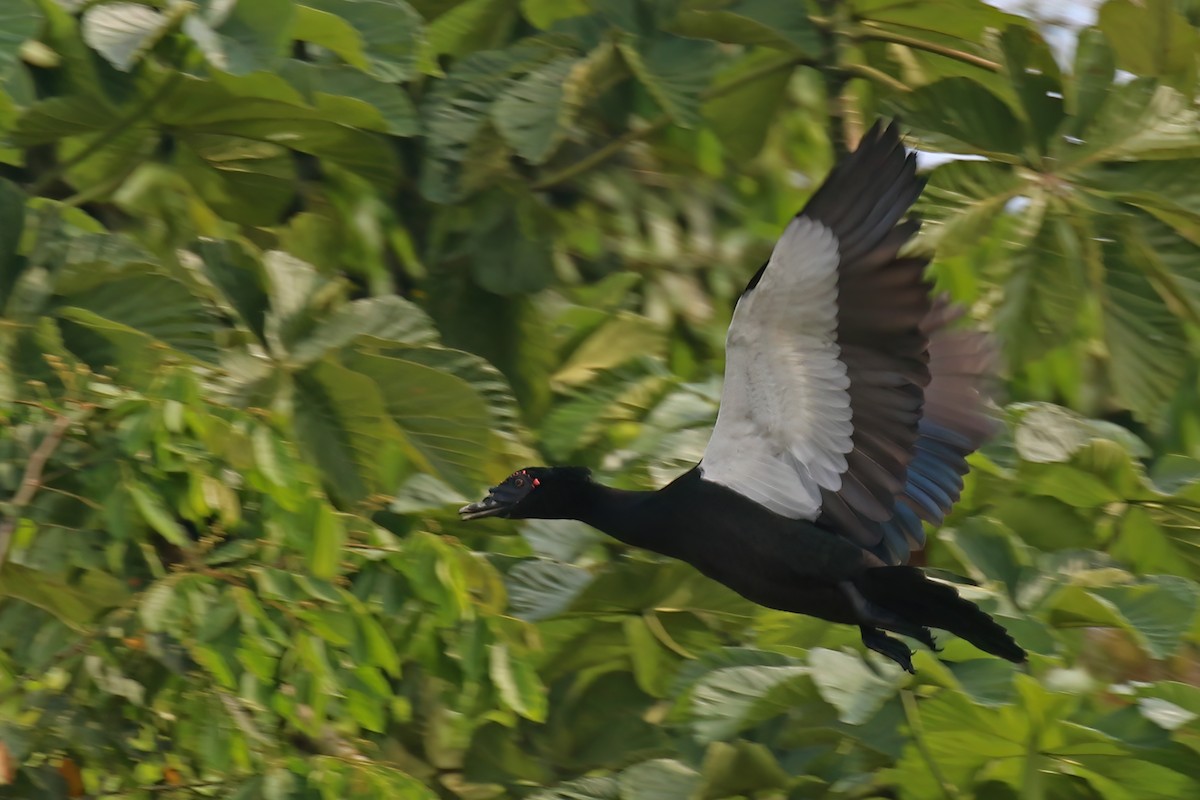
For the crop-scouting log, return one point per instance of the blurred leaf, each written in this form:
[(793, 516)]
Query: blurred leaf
[(123, 32), (751, 22), (740, 768), (19, 21), (850, 686), (355, 98), (342, 425), (240, 279), (443, 423), (328, 536), (393, 319), (1035, 76), (471, 26), (510, 245), (933, 18), (534, 111), (12, 221), (242, 37), (385, 39), (1150, 38), (157, 515), (742, 119), (518, 683), (731, 699), (675, 71), (660, 779), (75, 604), (1145, 340), (1158, 611), (622, 338), (540, 589), (1094, 67)]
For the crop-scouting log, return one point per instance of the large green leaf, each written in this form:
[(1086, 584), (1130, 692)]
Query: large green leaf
[(456, 114), (1145, 340), (675, 71), (742, 119), (144, 300), (445, 424), (343, 426), (959, 115), (621, 338), (1046, 287)]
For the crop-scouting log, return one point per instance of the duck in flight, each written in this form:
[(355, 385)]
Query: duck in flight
[(848, 411)]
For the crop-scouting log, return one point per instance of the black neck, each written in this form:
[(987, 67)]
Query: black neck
[(622, 514)]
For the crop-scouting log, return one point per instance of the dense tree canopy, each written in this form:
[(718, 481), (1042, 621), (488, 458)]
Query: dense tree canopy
[(284, 282)]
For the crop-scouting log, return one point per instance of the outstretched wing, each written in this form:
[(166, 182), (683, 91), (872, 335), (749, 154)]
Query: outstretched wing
[(954, 423), (826, 359)]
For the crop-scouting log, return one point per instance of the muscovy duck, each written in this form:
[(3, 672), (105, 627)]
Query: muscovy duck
[(848, 410)]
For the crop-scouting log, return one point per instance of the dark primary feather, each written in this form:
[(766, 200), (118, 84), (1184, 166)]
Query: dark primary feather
[(882, 301), (917, 401)]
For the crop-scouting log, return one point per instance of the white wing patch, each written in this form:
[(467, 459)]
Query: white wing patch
[(784, 429)]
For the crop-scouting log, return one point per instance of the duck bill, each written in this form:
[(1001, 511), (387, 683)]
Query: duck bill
[(487, 507)]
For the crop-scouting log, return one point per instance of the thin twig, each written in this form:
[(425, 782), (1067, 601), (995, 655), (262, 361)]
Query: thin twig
[(913, 715), (31, 481), (869, 30), (663, 121), (878, 76)]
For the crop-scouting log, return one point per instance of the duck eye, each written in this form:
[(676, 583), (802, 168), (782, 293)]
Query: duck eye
[(519, 482)]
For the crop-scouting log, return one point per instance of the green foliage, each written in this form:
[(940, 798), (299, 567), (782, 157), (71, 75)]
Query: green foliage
[(283, 283)]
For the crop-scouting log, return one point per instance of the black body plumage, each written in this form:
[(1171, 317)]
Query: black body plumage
[(893, 419)]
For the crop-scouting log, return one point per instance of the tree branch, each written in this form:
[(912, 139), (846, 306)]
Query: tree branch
[(869, 30), (878, 76), (31, 481)]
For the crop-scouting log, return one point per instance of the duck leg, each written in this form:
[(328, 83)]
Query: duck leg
[(873, 617), (885, 645)]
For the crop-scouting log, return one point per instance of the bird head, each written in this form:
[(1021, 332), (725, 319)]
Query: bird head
[(531, 493)]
